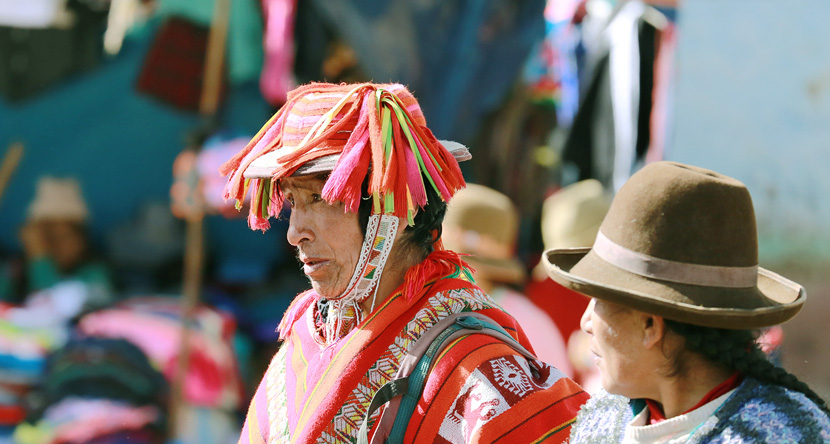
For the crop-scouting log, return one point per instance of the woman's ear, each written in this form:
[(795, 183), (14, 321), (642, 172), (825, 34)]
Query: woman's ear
[(654, 330)]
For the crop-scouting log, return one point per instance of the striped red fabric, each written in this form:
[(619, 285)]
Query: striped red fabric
[(480, 390)]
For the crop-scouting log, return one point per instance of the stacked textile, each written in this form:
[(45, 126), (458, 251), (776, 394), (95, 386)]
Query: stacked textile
[(22, 355), (154, 325), (212, 388), (96, 390), (28, 334)]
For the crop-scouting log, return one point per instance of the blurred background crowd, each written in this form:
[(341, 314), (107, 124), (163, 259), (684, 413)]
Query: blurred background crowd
[(136, 303)]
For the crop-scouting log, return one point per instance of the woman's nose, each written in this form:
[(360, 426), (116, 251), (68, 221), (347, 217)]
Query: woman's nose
[(585, 321)]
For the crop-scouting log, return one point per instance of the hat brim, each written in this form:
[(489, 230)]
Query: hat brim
[(506, 271), (772, 301), (264, 166)]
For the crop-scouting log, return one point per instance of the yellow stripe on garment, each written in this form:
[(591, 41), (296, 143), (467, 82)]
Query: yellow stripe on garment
[(300, 366), (254, 437), (555, 430)]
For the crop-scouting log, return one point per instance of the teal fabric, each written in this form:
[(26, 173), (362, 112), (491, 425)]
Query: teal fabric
[(42, 274), (245, 31), (6, 285)]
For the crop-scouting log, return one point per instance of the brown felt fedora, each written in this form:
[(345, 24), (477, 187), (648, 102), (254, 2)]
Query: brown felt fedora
[(680, 242)]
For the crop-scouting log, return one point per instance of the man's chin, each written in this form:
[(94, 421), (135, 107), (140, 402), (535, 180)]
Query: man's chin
[(324, 291)]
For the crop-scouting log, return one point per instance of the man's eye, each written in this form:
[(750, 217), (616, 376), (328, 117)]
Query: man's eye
[(290, 201), (316, 198)]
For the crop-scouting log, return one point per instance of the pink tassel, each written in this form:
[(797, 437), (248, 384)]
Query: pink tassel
[(432, 171), (275, 205), (452, 170), (258, 223), (346, 181), (261, 144), (414, 178)]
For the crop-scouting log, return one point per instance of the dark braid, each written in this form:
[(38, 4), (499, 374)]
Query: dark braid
[(738, 350)]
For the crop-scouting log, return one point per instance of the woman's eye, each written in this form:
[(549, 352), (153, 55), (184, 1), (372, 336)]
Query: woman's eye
[(316, 198), (290, 201)]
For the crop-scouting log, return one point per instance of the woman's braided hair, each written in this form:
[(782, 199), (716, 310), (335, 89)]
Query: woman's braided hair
[(738, 350)]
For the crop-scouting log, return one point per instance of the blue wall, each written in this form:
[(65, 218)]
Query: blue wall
[(120, 144), (753, 102)]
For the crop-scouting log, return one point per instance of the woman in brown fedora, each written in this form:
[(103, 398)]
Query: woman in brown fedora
[(676, 295)]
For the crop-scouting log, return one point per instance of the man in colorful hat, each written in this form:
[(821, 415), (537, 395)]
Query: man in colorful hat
[(367, 183)]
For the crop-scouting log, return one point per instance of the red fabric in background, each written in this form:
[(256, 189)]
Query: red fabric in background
[(563, 305), (173, 70)]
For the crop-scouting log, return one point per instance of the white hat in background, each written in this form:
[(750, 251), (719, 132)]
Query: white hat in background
[(58, 199)]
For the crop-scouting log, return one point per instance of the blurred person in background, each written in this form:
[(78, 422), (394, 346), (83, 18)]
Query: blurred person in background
[(56, 244), (570, 218), (676, 296), (367, 183), (484, 224)]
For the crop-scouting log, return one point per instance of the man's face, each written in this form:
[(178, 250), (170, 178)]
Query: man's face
[(328, 239)]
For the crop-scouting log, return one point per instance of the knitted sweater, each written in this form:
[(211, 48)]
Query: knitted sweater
[(756, 412)]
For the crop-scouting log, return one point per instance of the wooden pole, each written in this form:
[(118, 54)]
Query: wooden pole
[(194, 237), (10, 162)]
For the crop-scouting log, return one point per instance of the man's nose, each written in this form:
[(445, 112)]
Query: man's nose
[(299, 228)]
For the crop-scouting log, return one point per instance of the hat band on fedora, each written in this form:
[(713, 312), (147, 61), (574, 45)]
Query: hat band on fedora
[(673, 271)]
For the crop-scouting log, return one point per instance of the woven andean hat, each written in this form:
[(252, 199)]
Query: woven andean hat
[(352, 131)]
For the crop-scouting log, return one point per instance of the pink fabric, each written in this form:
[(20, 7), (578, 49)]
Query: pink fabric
[(209, 160), (545, 338), (278, 44), (78, 420), (212, 377)]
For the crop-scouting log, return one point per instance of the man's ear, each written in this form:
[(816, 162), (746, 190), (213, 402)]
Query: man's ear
[(401, 225), (654, 329)]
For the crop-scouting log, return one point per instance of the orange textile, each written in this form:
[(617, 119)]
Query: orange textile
[(480, 390)]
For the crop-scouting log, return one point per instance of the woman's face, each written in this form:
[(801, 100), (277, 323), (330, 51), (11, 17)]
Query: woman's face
[(67, 244), (617, 336)]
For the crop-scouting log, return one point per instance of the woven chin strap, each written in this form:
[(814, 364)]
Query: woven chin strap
[(380, 236)]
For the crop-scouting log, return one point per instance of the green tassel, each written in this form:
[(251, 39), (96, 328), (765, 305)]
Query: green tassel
[(376, 202), (389, 203), (263, 197), (403, 120)]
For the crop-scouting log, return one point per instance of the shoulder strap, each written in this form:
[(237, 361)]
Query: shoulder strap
[(409, 381)]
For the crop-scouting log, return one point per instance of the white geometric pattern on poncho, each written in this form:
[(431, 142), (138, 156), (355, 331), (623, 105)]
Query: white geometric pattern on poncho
[(477, 403), (348, 419), (511, 377)]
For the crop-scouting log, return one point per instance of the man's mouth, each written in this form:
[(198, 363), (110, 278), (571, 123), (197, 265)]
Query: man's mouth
[(313, 265)]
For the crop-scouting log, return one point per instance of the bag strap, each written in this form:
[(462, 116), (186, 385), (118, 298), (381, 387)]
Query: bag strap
[(414, 369)]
